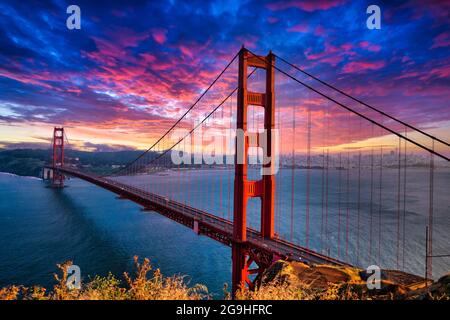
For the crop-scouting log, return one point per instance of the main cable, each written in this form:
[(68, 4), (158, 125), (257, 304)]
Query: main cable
[(182, 117)]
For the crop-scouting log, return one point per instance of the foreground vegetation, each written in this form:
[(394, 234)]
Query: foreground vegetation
[(146, 284), (150, 284)]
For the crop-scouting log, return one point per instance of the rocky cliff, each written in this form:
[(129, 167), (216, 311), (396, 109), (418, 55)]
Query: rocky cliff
[(339, 282)]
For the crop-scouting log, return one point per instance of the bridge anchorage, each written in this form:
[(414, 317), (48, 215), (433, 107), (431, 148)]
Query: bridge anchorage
[(360, 198)]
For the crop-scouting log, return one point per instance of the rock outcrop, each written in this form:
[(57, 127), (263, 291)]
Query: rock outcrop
[(351, 283)]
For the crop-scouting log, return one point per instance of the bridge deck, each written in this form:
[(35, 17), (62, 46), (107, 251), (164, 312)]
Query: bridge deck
[(202, 222)]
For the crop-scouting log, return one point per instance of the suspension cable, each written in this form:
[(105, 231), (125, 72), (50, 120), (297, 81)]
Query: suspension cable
[(199, 124), (353, 111), (362, 102), (182, 117)]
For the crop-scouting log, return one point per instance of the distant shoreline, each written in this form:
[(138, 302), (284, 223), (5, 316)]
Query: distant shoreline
[(16, 175)]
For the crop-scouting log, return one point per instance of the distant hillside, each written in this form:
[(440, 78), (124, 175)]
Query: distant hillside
[(29, 162)]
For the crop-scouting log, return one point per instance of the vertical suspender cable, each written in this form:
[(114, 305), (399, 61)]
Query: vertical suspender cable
[(430, 217), (371, 201), (380, 200), (308, 177), (398, 200), (292, 174), (339, 206)]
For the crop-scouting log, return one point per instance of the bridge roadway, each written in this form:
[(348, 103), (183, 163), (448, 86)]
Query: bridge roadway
[(203, 222)]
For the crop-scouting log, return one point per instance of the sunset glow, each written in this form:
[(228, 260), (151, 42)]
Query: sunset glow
[(132, 69)]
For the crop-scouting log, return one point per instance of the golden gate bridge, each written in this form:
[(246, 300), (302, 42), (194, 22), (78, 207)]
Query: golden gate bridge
[(317, 176)]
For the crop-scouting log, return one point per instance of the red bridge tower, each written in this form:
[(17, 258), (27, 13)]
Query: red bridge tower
[(58, 157), (245, 189)]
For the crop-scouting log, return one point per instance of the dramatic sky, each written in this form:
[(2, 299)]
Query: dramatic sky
[(135, 66)]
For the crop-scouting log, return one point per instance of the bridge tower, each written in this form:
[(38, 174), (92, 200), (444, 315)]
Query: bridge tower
[(58, 157), (244, 189)]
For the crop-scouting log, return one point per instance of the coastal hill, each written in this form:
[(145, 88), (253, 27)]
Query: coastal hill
[(29, 162), (296, 280)]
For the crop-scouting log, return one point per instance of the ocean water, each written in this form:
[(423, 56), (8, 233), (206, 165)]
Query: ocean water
[(40, 227)]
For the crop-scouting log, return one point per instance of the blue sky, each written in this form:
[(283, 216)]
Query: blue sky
[(135, 65)]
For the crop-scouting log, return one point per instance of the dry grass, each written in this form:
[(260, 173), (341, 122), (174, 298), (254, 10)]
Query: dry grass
[(283, 291), (141, 286), (345, 291), (149, 284)]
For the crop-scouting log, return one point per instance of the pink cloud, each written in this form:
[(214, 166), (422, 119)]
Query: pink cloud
[(74, 90), (159, 35), (305, 5), (329, 49), (331, 53), (298, 28), (407, 75), (438, 72), (126, 37), (369, 46), (24, 79), (272, 20), (248, 41), (332, 60), (441, 41), (347, 46), (319, 31), (362, 66), (186, 51), (406, 59), (44, 79), (364, 44), (148, 58)]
